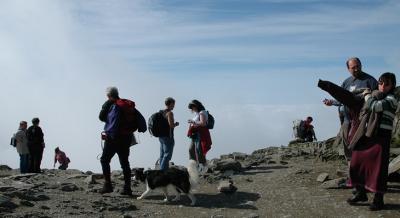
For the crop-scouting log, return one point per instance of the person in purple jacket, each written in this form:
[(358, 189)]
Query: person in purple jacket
[(116, 142)]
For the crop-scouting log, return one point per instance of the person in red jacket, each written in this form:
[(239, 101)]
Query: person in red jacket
[(200, 135), (61, 158)]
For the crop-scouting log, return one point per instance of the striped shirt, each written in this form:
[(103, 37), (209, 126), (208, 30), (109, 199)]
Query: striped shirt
[(387, 106)]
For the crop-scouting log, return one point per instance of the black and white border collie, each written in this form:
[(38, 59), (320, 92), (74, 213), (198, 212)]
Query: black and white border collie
[(180, 179)]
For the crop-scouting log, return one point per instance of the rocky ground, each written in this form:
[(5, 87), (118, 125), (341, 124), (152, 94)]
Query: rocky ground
[(271, 182)]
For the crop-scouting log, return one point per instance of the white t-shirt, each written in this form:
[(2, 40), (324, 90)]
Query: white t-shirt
[(196, 118)]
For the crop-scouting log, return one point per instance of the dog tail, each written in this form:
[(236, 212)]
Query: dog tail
[(193, 174)]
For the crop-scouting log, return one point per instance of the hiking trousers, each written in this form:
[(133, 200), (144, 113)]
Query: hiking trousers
[(166, 150), (195, 150), (120, 146), (24, 163), (35, 158)]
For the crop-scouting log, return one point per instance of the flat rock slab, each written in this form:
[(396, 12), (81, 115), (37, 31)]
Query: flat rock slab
[(20, 176), (5, 202), (322, 177), (335, 183), (394, 165), (69, 187), (228, 164)]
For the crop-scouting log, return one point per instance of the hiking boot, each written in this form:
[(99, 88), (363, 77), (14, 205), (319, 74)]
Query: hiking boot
[(126, 191), (358, 197), (377, 203), (107, 188)]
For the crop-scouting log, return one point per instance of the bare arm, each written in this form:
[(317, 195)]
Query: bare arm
[(171, 121)]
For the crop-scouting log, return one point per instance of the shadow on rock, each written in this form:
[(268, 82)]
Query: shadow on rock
[(395, 207), (262, 169)]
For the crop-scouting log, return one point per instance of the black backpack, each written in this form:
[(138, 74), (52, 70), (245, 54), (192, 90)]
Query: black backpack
[(35, 135), (210, 121), (13, 141), (158, 125), (141, 122)]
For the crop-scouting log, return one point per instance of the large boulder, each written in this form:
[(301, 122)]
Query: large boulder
[(235, 156), (227, 186), (5, 168), (228, 164), (6, 203), (69, 187)]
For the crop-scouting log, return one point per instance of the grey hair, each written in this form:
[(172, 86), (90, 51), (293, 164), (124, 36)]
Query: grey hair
[(112, 92), (353, 59)]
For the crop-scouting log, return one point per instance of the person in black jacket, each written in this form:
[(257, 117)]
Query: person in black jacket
[(36, 145)]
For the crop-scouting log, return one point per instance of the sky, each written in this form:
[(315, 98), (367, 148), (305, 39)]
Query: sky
[(254, 64)]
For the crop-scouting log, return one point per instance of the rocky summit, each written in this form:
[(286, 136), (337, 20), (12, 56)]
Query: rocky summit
[(301, 180)]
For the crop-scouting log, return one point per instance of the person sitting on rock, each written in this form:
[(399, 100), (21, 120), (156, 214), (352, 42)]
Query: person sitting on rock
[(306, 130), (61, 158)]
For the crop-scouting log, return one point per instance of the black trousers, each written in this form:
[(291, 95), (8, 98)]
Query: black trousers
[(35, 158), (120, 146)]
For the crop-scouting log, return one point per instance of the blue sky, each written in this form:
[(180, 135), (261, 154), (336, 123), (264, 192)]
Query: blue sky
[(254, 64)]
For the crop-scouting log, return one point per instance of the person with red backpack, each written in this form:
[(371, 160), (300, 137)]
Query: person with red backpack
[(119, 117)]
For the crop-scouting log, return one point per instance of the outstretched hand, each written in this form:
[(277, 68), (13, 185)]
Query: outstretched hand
[(328, 102)]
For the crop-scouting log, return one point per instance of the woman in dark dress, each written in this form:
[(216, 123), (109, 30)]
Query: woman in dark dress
[(370, 153)]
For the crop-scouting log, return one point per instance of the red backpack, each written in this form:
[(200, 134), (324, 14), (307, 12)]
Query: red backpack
[(127, 120)]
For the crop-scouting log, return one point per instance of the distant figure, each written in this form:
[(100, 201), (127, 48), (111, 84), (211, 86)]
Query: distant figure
[(200, 135), (61, 158), (22, 147), (117, 114), (356, 83), (167, 141), (36, 145), (305, 131)]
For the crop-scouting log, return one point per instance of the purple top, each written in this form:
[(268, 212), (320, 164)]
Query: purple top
[(111, 126)]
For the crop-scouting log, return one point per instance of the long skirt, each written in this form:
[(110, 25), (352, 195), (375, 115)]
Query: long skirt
[(369, 163)]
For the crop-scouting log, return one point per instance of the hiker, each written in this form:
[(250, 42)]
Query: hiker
[(307, 133), (356, 83), (199, 134), (61, 158), (22, 147), (36, 146), (118, 136), (167, 138), (370, 143)]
